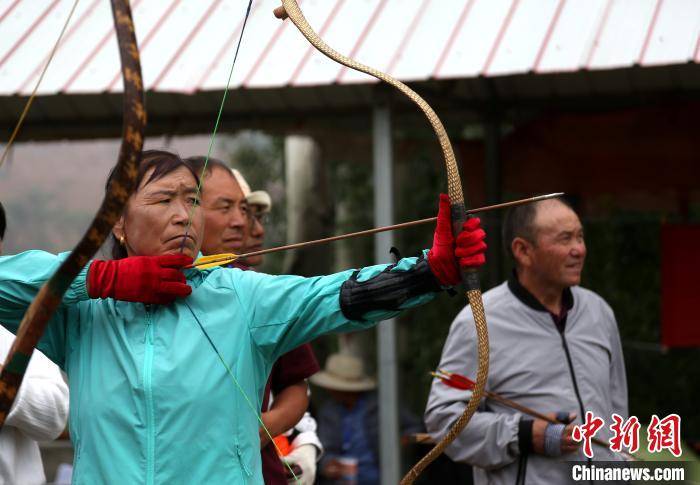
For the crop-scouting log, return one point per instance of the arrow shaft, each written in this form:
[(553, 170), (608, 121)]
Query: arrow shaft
[(533, 413), (445, 375), (517, 406), (402, 225)]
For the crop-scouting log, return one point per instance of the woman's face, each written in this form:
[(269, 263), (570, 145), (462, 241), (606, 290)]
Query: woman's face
[(157, 216)]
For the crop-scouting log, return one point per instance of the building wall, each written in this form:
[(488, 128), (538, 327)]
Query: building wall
[(644, 159)]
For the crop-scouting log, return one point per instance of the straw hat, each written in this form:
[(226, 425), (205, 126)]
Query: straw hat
[(344, 373)]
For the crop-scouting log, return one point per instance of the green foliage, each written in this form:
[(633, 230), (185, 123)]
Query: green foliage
[(624, 259), (623, 267), (355, 196), (260, 159)]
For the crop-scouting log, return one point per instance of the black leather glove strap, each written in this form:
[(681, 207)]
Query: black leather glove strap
[(386, 291), (525, 435)]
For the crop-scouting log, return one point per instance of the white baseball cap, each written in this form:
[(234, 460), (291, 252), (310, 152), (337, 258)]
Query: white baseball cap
[(259, 197)]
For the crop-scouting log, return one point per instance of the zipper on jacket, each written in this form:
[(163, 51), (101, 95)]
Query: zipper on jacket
[(522, 470), (148, 392), (77, 473), (573, 375), (573, 379), (242, 462)]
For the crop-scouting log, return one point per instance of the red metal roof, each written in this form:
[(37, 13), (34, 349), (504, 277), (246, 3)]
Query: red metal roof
[(187, 46)]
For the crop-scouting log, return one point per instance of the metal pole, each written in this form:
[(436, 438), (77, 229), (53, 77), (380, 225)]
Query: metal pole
[(389, 444)]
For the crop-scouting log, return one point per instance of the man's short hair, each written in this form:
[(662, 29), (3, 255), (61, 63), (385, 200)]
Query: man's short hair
[(3, 222), (199, 164), (519, 222)]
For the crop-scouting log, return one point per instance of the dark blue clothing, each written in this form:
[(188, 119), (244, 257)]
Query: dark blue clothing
[(354, 433), (355, 442)]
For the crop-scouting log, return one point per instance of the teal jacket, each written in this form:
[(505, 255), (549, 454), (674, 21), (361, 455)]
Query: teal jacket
[(151, 398)]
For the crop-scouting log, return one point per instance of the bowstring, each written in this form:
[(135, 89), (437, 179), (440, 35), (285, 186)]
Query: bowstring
[(216, 129), (198, 192), (252, 407), (30, 101)]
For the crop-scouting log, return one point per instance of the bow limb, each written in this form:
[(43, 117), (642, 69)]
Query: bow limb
[(49, 297), (458, 210)]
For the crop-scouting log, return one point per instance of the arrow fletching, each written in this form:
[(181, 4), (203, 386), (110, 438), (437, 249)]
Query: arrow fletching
[(214, 260), (451, 379)]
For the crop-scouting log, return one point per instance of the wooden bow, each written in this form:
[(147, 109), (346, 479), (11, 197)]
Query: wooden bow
[(49, 297), (470, 279)]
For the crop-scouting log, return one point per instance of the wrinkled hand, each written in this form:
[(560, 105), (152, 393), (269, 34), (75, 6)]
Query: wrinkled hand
[(142, 279), (447, 255), (333, 469)]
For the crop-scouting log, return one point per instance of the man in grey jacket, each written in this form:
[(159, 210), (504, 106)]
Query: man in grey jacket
[(555, 348)]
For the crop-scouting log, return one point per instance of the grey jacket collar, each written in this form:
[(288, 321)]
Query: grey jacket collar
[(522, 294)]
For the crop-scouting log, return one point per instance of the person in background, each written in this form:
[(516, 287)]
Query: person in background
[(39, 412), (348, 422), (230, 210), (259, 206), (555, 348)]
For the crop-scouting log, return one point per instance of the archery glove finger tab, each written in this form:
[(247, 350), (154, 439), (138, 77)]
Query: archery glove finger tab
[(448, 255), (142, 279)]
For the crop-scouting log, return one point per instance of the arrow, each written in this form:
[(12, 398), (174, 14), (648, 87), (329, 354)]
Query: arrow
[(206, 262), (458, 381)]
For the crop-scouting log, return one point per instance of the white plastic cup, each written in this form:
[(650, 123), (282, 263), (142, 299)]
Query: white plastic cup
[(349, 470)]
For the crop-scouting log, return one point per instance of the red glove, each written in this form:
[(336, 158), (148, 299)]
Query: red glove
[(445, 256), (142, 279)]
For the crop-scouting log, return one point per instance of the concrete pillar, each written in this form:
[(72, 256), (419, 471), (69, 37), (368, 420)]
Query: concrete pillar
[(309, 206), (387, 368)]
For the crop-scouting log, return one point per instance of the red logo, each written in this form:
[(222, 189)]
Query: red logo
[(586, 431), (625, 433), (665, 434)]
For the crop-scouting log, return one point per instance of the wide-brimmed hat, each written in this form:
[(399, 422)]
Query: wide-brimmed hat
[(344, 372)]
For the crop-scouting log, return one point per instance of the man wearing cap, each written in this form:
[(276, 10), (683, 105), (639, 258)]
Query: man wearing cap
[(349, 421), (233, 224), (259, 205)]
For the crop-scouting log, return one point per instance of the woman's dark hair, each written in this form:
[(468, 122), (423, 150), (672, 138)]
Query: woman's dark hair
[(163, 162), (3, 222)]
